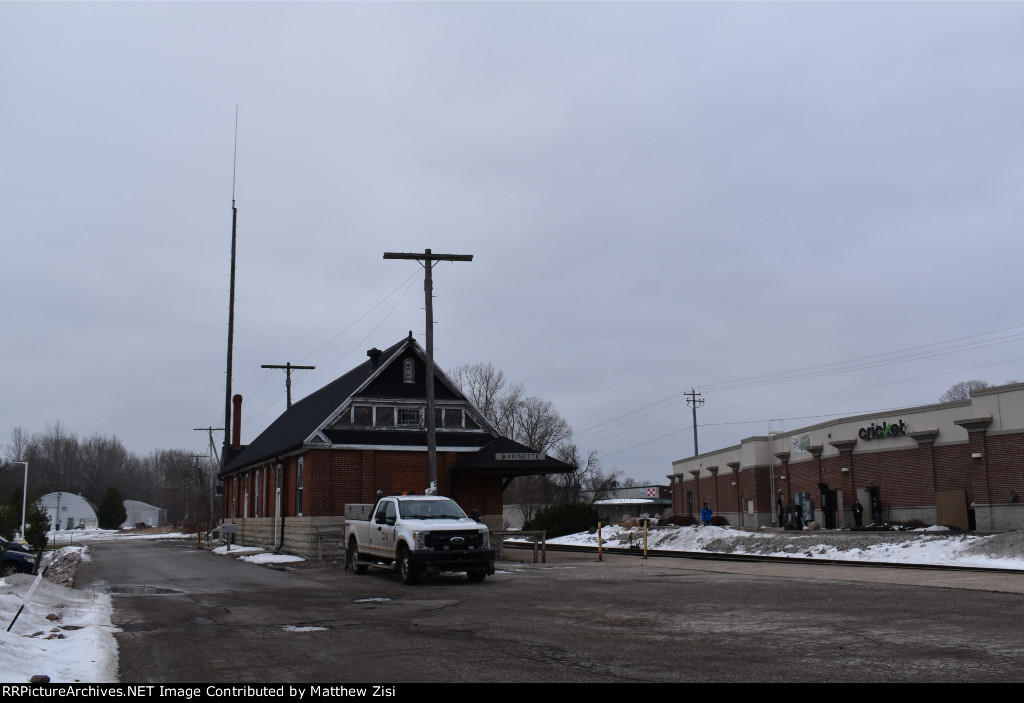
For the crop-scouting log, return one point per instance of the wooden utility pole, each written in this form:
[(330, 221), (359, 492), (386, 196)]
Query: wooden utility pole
[(694, 400), (214, 462), (288, 375), (427, 260)]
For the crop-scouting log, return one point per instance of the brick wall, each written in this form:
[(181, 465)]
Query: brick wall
[(907, 479), (332, 478), (1005, 467)]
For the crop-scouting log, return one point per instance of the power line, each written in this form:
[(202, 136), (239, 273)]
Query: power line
[(801, 417), (379, 324), (358, 319), (874, 385), (287, 375), (744, 422), (252, 394), (767, 379), (771, 378)]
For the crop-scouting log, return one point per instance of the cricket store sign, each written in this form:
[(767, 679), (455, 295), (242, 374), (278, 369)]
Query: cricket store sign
[(884, 430)]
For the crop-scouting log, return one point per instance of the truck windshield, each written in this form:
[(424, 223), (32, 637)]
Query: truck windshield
[(430, 509)]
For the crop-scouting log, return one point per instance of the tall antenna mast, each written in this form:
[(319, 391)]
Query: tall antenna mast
[(231, 297)]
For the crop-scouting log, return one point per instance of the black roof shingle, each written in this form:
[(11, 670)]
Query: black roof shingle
[(290, 430)]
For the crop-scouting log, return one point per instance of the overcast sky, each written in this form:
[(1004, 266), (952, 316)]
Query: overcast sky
[(657, 197)]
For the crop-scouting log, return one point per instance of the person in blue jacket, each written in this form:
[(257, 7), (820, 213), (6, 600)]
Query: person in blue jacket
[(705, 514)]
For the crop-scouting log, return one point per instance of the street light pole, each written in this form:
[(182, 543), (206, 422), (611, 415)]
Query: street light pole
[(24, 497)]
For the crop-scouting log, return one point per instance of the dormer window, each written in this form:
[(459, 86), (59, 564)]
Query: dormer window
[(409, 370)]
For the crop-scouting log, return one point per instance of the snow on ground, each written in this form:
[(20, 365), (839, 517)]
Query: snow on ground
[(304, 628), (62, 633), (271, 558), (236, 550), (921, 547), (78, 645)]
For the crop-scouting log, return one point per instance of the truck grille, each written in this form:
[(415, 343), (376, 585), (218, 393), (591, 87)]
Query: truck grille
[(454, 539)]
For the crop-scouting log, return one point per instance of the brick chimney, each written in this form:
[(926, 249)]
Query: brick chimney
[(374, 355), (236, 431)]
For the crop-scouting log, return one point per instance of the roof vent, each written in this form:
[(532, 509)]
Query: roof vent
[(374, 355)]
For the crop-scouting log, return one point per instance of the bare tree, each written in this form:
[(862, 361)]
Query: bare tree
[(535, 423), (528, 420), (182, 493), (17, 446), (962, 390), (487, 388), (530, 493), (586, 476), (101, 462), (54, 458), (539, 426), (60, 462)]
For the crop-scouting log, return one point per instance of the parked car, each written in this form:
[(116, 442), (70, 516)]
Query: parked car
[(16, 558)]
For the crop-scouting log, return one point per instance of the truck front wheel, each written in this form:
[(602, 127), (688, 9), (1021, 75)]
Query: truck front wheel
[(476, 576), (408, 571), (353, 557)]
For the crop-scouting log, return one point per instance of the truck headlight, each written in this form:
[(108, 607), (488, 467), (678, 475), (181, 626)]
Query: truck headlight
[(485, 539), (421, 539)]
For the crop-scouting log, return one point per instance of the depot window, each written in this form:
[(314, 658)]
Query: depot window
[(298, 489)]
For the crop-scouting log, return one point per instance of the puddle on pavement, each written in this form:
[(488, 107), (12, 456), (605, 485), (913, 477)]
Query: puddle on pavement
[(140, 590)]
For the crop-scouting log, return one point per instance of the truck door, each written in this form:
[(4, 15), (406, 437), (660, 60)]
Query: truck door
[(382, 530)]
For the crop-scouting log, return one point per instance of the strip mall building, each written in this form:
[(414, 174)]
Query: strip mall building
[(958, 464)]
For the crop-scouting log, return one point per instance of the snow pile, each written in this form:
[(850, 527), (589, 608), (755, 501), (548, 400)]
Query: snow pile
[(64, 565), (257, 555), (235, 550), (1009, 545), (271, 558), (62, 633), (922, 547)]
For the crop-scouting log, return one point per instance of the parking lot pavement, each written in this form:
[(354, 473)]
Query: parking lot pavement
[(937, 578), (570, 620)]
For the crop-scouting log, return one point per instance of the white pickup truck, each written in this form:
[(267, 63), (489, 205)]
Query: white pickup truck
[(417, 534)]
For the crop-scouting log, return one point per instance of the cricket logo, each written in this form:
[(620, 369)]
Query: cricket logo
[(883, 430)]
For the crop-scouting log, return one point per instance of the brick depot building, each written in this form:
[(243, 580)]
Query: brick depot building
[(362, 433), (958, 463)]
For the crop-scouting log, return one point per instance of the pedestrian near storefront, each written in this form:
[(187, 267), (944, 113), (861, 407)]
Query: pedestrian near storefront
[(876, 509)]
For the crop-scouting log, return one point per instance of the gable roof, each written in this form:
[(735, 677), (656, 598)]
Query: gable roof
[(306, 417), (289, 431)]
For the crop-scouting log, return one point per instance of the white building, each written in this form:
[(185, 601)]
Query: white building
[(69, 511)]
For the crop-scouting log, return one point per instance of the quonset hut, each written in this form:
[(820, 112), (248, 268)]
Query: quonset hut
[(69, 511), (140, 513)]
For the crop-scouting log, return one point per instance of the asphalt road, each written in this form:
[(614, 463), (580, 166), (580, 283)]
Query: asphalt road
[(191, 616)]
